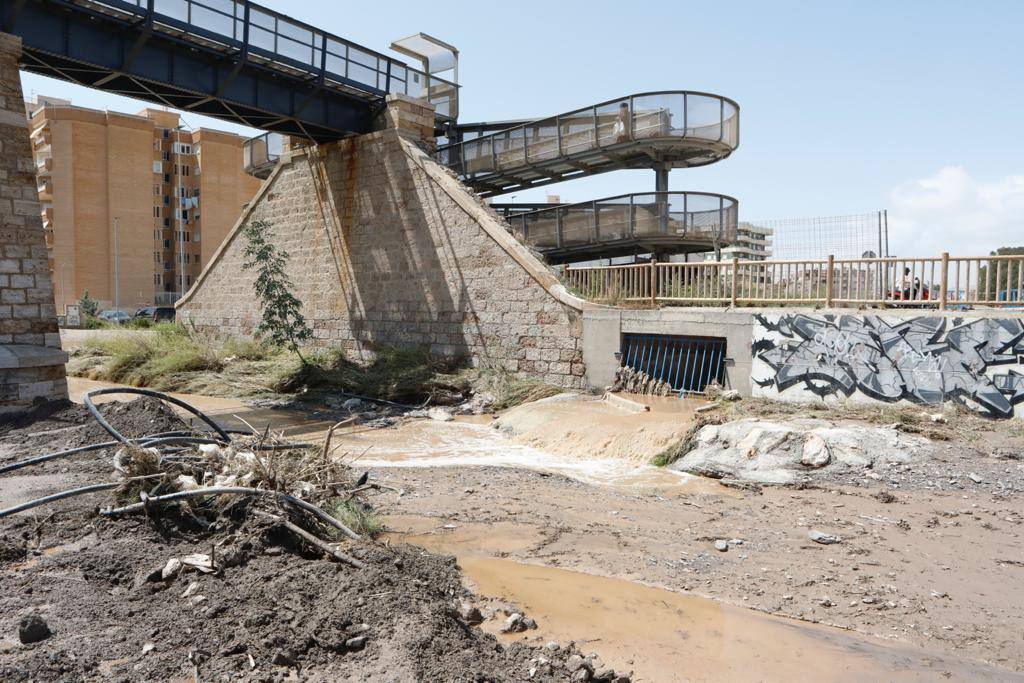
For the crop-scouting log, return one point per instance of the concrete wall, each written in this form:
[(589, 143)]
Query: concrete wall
[(387, 248), (603, 330), (31, 362), (924, 359)]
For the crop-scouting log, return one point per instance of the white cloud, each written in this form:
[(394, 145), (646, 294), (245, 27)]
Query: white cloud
[(951, 211)]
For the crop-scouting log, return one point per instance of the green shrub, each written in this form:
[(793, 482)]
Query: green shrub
[(357, 516)]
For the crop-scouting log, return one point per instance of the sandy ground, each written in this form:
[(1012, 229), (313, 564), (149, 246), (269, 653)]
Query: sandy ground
[(924, 585)]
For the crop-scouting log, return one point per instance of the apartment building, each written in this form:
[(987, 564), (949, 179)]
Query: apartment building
[(753, 243), (134, 205)]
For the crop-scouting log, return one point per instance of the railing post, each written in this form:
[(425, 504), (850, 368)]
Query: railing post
[(944, 279), (654, 281), (735, 279), (829, 270)]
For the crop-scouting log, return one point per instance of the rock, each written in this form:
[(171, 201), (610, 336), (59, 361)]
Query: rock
[(148, 576), (32, 629), (825, 602), (513, 624), (352, 404), (721, 545), (553, 646), (147, 648), (575, 663), (605, 675), (975, 478), (440, 414), (938, 417), (823, 538), (191, 590), (581, 675), (735, 541), (529, 623), (171, 569), (816, 452), (470, 614), (730, 395), (357, 643)]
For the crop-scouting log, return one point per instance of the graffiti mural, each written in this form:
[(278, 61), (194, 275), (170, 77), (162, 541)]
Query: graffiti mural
[(925, 360)]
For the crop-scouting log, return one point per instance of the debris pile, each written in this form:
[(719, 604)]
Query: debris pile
[(224, 555), (635, 381)]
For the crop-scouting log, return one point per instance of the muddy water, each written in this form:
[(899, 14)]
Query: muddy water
[(665, 636)]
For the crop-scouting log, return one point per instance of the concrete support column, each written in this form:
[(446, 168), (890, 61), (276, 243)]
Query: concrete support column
[(31, 360)]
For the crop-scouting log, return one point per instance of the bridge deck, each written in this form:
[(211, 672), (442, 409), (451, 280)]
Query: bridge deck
[(229, 59), (671, 129)]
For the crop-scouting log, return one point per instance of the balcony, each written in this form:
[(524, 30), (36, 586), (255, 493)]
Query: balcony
[(47, 216), (653, 222), (260, 154), (677, 128), (44, 167), (45, 189)]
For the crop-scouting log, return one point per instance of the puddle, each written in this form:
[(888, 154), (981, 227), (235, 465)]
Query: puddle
[(665, 636)]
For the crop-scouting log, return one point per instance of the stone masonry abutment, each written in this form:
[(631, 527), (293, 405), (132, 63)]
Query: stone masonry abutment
[(31, 360), (388, 248)]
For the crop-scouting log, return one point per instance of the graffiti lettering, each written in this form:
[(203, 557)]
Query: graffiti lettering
[(924, 360)]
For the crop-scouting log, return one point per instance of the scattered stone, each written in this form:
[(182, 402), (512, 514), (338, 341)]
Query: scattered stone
[(529, 623), (440, 414), (33, 629), (553, 646), (171, 569), (191, 590), (352, 404), (823, 538), (816, 452), (513, 624), (356, 644), (730, 395), (470, 614), (735, 541), (575, 663), (721, 545), (938, 417), (884, 496), (825, 602), (147, 648), (975, 478)]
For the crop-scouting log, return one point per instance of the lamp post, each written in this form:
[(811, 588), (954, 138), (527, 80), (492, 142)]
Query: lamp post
[(117, 264)]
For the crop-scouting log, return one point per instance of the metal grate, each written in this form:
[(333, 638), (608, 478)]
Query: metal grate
[(687, 364)]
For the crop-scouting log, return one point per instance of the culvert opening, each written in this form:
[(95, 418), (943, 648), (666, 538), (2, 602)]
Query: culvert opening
[(688, 364)]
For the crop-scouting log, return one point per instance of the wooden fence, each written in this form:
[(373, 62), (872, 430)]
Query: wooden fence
[(944, 283)]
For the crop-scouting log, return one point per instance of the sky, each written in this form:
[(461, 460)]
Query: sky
[(847, 107)]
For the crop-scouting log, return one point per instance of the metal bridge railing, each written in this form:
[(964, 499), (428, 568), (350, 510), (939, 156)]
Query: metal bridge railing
[(694, 216), (280, 42), (943, 283), (710, 121)]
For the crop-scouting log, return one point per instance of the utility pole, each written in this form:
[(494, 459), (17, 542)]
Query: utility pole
[(117, 273)]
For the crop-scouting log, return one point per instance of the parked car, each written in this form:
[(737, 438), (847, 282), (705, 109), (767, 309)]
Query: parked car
[(112, 316), (156, 314)]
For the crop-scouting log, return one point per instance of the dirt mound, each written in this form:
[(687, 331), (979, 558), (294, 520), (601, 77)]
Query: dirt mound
[(217, 588), (62, 425)]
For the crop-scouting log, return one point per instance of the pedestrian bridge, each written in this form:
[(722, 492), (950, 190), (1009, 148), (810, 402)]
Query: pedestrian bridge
[(628, 224), (661, 130)]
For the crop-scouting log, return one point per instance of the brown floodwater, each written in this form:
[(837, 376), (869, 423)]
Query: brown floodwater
[(663, 635)]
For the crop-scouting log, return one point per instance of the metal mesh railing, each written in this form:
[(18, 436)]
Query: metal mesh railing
[(945, 282), (696, 216), (710, 121), (282, 43)]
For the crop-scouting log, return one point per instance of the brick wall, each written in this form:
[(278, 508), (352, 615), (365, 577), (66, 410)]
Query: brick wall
[(31, 362), (387, 248)]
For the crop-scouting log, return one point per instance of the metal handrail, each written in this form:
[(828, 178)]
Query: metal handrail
[(324, 49), (447, 150)]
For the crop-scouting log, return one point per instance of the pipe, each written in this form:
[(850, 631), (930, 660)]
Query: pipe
[(52, 498), (87, 400)]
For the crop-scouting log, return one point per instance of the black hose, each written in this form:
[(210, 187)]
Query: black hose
[(54, 497), (87, 400), (81, 449)]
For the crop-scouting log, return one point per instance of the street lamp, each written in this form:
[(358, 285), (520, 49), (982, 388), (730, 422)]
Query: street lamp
[(117, 274)]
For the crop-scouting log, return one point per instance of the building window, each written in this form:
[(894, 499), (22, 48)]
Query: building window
[(167, 133), (184, 170), (156, 212), (166, 156), (158, 167), (167, 222), (167, 200), (167, 177), (156, 189), (156, 257)]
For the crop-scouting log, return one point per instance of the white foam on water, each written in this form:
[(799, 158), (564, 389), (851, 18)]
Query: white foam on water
[(437, 444)]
